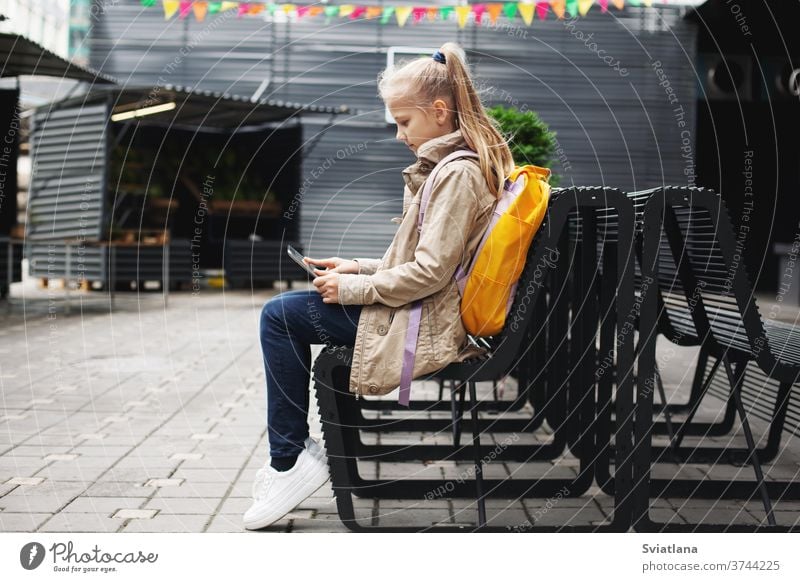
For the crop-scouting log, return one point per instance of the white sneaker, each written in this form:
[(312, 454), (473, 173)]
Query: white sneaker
[(276, 493)]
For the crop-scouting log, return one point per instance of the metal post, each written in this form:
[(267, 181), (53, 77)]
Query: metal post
[(111, 273), (68, 272), (165, 271)]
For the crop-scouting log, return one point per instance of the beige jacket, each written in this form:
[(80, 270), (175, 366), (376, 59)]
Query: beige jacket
[(416, 267)]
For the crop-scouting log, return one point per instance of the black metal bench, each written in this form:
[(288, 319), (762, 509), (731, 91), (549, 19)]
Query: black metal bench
[(341, 416), (694, 289)]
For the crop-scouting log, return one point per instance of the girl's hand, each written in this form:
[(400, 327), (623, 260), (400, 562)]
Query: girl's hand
[(334, 265), (328, 286)]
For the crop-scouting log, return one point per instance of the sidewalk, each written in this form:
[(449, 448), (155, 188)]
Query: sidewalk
[(153, 420)]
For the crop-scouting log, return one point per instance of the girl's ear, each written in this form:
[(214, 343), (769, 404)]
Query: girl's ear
[(441, 111)]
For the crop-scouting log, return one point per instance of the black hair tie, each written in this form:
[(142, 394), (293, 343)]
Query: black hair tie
[(438, 56)]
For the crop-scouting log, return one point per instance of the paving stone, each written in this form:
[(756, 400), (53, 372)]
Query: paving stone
[(168, 524), (119, 489), (102, 505), (207, 475), (717, 516), (25, 481), (135, 513), (225, 523), (21, 522), (196, 490), (81, 523), (21, 503), (188, 506)]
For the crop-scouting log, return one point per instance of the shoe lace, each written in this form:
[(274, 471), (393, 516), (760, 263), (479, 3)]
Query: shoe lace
[(261, 484)]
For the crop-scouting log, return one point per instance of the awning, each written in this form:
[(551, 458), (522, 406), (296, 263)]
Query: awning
[(22, 56), (179, 106)]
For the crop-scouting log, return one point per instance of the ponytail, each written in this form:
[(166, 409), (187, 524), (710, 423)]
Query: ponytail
[(480, 131)]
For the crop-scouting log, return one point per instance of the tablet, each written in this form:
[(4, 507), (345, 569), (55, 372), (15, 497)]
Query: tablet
[(298, 258)]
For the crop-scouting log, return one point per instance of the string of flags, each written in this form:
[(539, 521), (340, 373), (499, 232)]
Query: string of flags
[(480, 12)]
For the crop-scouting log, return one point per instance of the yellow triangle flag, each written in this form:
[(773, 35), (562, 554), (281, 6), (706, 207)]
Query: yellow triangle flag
[(170, 8), (648, 3), (346, 9), (402, 13), (620, 4), (462, 12), (526, 11), (228, 5), (584, 5), (200, 9), (559, 7), (494, 11), (287, 8)]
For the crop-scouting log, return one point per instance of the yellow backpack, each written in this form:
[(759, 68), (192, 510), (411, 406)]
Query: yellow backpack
[(487, 287)]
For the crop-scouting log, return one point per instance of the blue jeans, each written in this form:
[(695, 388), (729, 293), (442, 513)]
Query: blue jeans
[(290, 323)]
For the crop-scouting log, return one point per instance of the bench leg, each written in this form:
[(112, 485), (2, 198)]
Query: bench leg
[(476, 450), (458, 411), (736, 383)]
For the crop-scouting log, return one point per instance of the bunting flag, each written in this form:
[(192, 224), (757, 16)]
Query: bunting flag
[(494, 11), (200, 9), (170, 8), (584, 5), (463, 13), (402, 13), (526, 11), (510, 10), (541, 9), (186, 7)]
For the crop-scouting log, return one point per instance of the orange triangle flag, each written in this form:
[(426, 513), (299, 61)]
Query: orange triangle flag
[(559, 7), (200, 9), (494, 10)]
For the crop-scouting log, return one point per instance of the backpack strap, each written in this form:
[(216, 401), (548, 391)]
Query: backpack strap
[(412, 331)]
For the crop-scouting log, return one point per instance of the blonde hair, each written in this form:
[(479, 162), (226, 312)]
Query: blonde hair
[(424, 80)]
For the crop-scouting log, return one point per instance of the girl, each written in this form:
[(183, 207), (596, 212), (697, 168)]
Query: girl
[(437, 111)]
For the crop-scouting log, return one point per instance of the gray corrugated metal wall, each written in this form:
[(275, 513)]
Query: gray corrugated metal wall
[(614, 130), (67, 179)]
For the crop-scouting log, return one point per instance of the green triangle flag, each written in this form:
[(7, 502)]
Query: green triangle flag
[(387, 14), (572, 7), (635, 2), (213, 7), (331, 10), (444, 12), (148, 2), (510, 9)]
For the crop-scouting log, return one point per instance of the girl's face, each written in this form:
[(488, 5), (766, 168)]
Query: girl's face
[(416, 125)]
